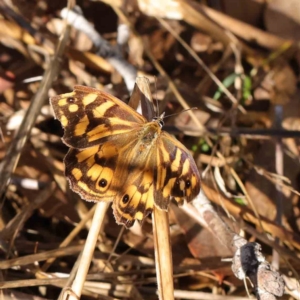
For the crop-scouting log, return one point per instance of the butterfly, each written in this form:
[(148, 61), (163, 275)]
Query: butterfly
[(119, 155)]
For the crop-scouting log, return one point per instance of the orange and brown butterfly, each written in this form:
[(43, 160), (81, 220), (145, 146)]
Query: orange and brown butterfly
[(118, 155)]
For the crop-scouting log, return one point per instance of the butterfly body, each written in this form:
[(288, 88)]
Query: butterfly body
[(118, 155)]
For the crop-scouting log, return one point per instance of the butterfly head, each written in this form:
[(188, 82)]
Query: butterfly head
[(160, 120)]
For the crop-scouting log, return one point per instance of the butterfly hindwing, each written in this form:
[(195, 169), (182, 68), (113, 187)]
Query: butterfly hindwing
[(114, 172), (91, 171), (163, 172), (135, 199), (177, 177)]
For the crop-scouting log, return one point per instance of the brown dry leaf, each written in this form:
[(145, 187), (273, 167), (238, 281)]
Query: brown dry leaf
[(161, 43), (186, 123), (259, 195), (250, 12), (279, 84), (286, 14), (161, 8), (201, 42), (292, 123), (136, 51), (284, 81), (201, 242), (91, 60), (84, 77), (7, 84), (12, 30)]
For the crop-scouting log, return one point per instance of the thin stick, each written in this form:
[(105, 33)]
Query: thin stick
[(279, 165), (71, 277), (88, 250), (14, 151), (104, 49), (163, 254)]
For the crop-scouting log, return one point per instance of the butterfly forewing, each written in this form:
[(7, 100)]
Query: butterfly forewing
[(117, 155), (141, 98), (91, 117)]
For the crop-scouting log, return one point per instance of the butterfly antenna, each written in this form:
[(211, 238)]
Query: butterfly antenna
[(192, 108), (157, 106)]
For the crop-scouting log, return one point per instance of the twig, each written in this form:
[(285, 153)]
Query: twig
[(111, 54), (163, 254), (247, 260), (88, 250), (279, 169), (14, 151), (33, 258), (256, 133), (71, 277)]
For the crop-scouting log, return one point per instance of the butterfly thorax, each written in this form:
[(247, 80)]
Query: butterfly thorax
[(150, 133)]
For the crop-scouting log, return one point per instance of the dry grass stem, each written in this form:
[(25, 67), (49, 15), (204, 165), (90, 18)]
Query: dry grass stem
[(88, 250), (163, 254)]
